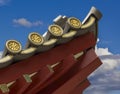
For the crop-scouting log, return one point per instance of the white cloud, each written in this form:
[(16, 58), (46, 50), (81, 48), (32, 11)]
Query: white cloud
[(107, 77), (3, 2), (26, 23), (102, 51)]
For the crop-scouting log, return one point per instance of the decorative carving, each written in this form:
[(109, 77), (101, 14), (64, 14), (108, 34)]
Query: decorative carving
[(35, 38), (55, 30), (74, 22), (63, 30), (13, 46)]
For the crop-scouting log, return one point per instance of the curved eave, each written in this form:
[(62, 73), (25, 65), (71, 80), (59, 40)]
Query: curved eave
[(97, 15), (89, 24)]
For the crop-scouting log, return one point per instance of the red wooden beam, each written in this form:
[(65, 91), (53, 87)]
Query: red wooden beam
[(41, 77), (35, 63), (67, 64), (88, 65), (81, 87), (20, 85)]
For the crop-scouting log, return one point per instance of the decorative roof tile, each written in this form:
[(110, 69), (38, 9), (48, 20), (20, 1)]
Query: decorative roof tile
[(61, 31)]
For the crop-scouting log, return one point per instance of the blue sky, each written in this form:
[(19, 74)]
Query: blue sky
[(45, 11), (20, 17)]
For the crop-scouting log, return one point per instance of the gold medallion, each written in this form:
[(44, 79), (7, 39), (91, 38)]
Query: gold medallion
[(13, 46), (36, 38), (74, 22), (55, 30)]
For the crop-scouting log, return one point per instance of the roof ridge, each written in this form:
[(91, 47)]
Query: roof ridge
[(61, 31)]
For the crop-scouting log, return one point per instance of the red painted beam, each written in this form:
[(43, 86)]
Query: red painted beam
[(41, 77), (68, 70), (19, 86), (67, 64), (4, 93), (35, 63), (81, 65), (88, 65), (81, 87)]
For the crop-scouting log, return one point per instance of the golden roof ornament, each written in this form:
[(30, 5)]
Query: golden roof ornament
[(35, 39), (61, 31), (13, 46), (55, 30), (74, 22)]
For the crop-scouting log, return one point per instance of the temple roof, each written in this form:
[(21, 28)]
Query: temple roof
[(63, 30)]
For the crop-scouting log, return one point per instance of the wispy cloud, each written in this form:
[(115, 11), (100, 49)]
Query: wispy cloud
[(107, 77), (3, 2), (26, 23)]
